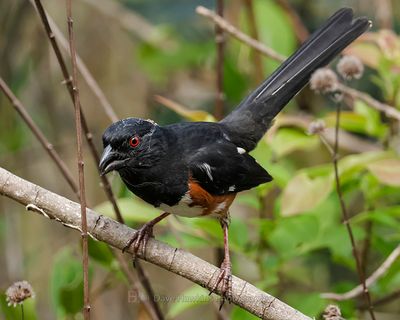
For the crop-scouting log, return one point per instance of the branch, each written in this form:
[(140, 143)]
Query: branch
[(54, 31), (233, 31), (369, 282), (79, 157), (236, 33), (49, 148), (115, 234), (386, 109)]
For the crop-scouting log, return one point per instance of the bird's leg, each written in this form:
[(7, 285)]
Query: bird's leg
[(225, 273), (143, 234)]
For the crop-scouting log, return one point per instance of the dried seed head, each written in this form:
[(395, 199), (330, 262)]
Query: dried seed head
[(324, 80), (332, 312), (350, 67), (18, 292), (316, 127)]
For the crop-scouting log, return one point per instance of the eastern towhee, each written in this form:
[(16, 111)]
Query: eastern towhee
[(196, 169)]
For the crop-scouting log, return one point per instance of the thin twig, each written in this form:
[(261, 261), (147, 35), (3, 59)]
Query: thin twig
[(388, 110), (115, 234), (386, 299), (153, 309), (81, 174), (346, 221), (233, 31), (379, 272), (55, 33), (19, 107)]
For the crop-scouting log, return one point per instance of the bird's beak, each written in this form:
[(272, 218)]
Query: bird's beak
[(109, 161)]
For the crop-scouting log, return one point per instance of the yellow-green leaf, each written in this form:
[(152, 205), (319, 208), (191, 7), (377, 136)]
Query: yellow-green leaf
[(387, 171), (303, 193)]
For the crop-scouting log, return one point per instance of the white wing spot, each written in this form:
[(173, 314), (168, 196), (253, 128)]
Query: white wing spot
[(207, 168), (241, 150), (232, 188)]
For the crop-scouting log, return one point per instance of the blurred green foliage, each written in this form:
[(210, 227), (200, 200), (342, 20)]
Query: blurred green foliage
[(287, 237)]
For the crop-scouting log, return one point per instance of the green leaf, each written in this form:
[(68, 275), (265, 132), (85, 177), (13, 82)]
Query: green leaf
[(190, 298), (303, 193), (275, 30), (310, 304), (67, 283), (101, 252), (288, 140), (238, 233), (292, 236), (388, 216), (387, 171), (241, 314), (133, 210)]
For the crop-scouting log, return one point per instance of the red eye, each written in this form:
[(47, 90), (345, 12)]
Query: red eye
[(134, 141)]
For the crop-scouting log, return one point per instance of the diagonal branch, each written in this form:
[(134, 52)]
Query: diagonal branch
[(115, 234), (384, 267), (20, 108), (54, 33)]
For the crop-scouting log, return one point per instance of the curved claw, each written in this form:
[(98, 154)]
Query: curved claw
[(225, 279), (139, 239)]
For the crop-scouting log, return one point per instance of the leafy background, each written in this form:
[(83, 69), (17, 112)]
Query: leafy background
[(287, 237)]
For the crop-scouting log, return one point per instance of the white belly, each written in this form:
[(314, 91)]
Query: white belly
[(182, 209)]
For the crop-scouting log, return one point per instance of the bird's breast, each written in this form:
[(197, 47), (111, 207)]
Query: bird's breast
[(198, 202)]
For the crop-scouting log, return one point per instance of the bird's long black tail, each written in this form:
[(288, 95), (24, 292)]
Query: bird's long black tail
[(252, 118)]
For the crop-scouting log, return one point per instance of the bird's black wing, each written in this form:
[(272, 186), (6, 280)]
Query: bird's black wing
[(222, 168)]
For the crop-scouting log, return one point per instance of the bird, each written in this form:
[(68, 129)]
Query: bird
[(195, 169)]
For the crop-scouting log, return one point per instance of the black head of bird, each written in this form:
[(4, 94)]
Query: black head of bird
[(130, 145)]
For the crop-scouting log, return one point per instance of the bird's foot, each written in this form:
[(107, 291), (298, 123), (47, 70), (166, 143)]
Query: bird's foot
[(225, 279), (140, 238)]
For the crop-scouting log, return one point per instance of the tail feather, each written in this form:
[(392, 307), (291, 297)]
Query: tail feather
[(252, 118)]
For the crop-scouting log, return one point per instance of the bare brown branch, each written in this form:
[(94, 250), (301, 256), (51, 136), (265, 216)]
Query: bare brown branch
[(233, 31), (383, 268), (54, 33), (81, 173), (115, 234), (19, 107)]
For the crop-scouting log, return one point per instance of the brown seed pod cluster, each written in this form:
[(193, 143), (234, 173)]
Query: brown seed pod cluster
[(332, 312), (324, 80), (350, 67), (18, 292)]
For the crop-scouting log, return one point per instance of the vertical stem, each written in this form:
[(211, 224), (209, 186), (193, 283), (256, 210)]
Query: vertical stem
[(220, 98), (78, 123), (346, 221), (219, 40)]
